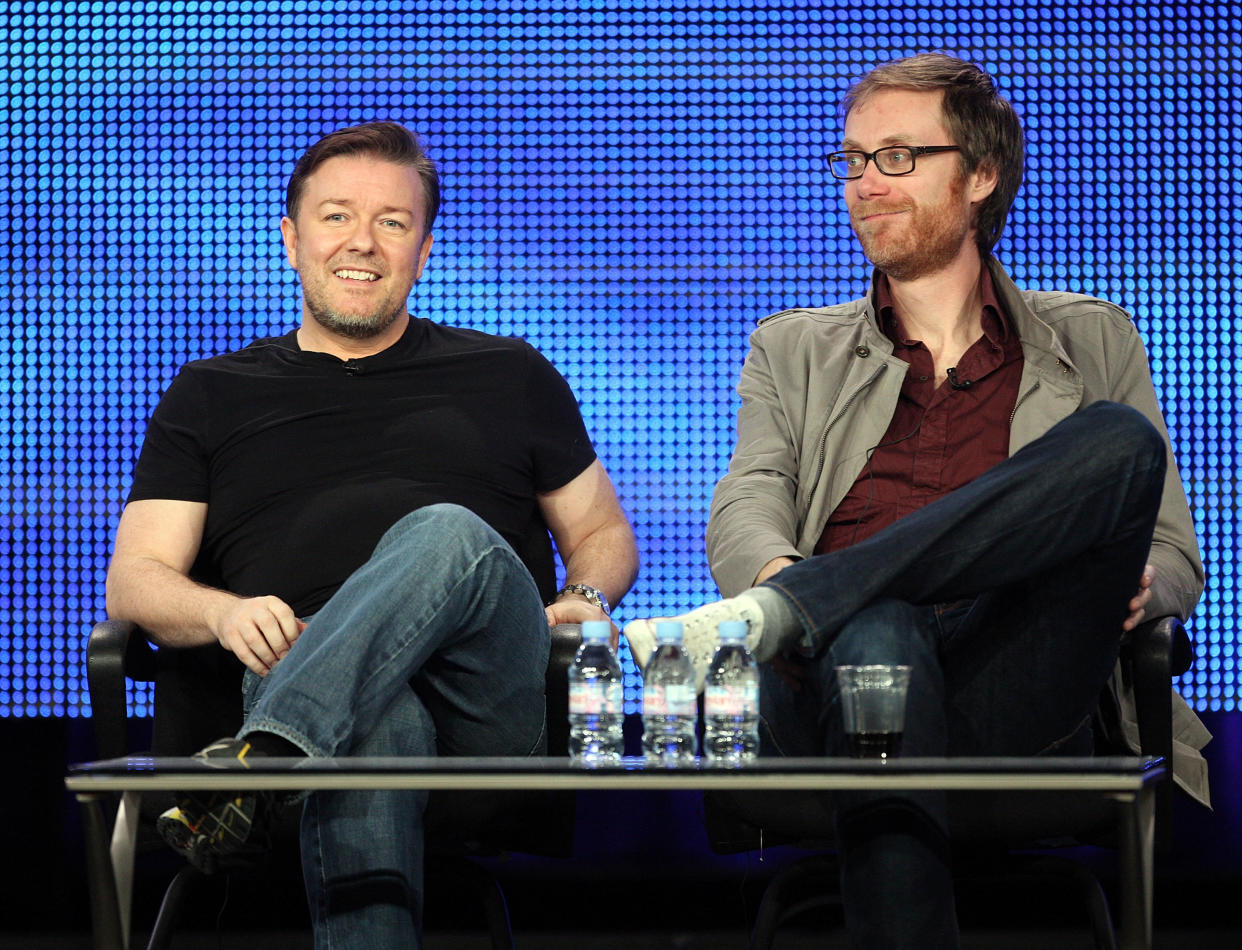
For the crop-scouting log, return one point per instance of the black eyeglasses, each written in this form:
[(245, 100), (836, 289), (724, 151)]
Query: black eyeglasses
[(893, 160)]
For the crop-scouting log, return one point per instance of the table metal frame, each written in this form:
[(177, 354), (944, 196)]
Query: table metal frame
[(1131, 782)]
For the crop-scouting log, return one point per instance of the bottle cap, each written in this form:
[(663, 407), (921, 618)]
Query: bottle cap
[(668, 631), (596, 630), (733, 629)]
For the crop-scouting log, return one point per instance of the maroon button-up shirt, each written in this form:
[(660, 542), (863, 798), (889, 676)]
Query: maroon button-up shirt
[(940, 437)]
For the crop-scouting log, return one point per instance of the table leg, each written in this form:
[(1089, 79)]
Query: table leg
[(105, 908), (1137, 818), (124, 847)]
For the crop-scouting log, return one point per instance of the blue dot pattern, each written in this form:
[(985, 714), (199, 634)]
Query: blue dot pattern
[(629, 184)]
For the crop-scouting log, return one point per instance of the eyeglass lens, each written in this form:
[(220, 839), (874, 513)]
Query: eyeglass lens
[(894, 160)]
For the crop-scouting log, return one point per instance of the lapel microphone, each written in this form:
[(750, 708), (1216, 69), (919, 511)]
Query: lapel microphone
[(956, 383)]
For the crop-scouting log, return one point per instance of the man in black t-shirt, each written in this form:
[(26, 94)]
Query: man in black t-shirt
[(354, 491)]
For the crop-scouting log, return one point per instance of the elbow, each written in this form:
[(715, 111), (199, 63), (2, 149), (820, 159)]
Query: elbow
[(631, 560), (112, 598), (118, 604)]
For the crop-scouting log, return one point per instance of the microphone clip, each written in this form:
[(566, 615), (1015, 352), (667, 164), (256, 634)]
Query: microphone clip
[(956, 383)]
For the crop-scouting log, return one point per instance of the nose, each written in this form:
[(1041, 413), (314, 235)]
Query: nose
[(871, 183), (361, 239)]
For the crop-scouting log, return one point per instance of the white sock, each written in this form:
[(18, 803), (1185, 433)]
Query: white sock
[(780, 622)]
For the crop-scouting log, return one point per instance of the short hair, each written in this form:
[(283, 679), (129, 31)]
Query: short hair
[(388, 141), (980, 120)]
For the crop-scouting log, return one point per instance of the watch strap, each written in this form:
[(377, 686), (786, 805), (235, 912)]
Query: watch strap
[(593, 594)]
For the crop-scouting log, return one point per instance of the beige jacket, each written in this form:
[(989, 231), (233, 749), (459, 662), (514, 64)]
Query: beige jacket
[(819, 388)]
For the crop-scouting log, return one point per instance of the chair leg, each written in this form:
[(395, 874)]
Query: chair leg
[(776, 906), (1088, 887), (170, 907), (481, 882), (106, 926), (496, 910)]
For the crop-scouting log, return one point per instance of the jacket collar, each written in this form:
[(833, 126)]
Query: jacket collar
[(1040, 342)]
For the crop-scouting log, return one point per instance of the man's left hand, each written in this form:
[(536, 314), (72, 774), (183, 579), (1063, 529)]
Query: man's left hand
[(1138, 602), (573, 609)]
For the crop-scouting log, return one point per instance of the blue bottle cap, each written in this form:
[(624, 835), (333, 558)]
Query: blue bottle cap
[(668, 631), (596, 630), (733, 629)]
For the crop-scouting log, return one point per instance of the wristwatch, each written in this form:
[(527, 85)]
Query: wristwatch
[(592, 594)]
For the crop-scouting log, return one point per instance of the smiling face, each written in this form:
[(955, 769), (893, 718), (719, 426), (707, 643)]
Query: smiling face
[(358, 244), (911, 225)]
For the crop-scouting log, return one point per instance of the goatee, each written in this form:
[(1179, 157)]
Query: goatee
[(354, 326)]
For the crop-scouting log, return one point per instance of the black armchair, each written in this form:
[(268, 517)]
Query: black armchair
[(459, 825), (197, 700), (984, 827)]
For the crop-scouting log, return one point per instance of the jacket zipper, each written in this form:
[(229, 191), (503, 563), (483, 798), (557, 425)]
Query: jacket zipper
[(1021, 400)]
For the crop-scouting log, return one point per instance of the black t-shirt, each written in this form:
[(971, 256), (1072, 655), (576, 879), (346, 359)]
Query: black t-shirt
[(305, 460)]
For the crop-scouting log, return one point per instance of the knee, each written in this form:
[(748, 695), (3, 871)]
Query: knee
[(1130, 433), (886, 631), (442, 524)]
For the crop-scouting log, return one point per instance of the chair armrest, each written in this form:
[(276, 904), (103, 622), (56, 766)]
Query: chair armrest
[(116, 649), (1155, 652), (566, 637), (1152, 654)]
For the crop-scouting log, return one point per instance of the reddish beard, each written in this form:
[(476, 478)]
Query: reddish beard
[(917, 240)]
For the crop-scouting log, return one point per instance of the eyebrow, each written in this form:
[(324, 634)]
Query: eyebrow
[(387, 209), (899, 139)]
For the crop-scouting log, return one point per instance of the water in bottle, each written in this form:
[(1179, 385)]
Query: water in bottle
[(669, 706), (595, 701), (731, 699)]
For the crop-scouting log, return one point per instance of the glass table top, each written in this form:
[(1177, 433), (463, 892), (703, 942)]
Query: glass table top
[(163, 773)]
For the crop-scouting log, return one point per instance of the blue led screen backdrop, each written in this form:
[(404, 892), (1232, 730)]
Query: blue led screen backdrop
[(628, 185)]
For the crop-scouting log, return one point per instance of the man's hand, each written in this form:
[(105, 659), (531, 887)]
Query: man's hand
[(1138, 602), (258, 630), (572, 608)]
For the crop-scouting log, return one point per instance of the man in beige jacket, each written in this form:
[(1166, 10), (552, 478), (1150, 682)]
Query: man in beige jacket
[(951, 474)]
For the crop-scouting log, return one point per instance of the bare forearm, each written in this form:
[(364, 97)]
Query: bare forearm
[(173, 609), (607, 559)]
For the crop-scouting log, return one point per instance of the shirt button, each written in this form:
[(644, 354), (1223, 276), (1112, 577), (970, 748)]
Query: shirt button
[(863, 351)]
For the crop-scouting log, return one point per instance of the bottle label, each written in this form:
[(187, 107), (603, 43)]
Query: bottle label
[(731, 699), (594, 699), (673, 699)]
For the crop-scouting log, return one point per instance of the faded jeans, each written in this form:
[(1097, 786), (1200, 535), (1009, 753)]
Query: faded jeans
[(437, 645)]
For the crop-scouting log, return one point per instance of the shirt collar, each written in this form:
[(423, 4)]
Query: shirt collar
[(997, 324)]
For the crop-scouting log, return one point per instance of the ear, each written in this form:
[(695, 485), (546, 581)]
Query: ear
[(982, 182), (423, 254), (289, 233)]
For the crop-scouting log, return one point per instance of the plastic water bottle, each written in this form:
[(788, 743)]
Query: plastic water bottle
[(669, 707), (595, 701), (731, 699)]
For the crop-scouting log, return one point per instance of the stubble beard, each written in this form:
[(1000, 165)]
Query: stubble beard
[(355, 326), (930, 241)]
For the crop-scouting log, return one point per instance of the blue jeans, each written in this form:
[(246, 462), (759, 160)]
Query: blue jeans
[(437, 645), (1006, 598)]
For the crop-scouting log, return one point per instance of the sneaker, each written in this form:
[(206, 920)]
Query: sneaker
[(204, 826), (700, 632)]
